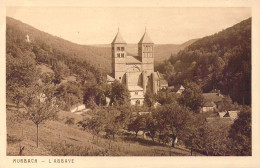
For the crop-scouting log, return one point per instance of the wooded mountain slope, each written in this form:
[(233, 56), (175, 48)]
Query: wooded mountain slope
[(220, 61), (96, 55)]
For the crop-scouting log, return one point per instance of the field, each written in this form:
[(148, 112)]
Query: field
[(59, 139)]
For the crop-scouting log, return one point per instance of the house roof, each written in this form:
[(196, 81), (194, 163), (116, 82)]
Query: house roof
[(171, 88), (221, 114), (233, 114), (135, 88), (176, 88), (110, 78), (181, 88), (133, 60), (118, 39), (145, 39), (163, 82), (217, 122), (209, 104), (214, 97)]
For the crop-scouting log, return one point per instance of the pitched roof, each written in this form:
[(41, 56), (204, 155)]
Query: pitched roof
[(163, 82), (177, 88), (118, 39), (110, 78), (135, 88), (208, 104), (215, 97), (145, 39), (132, 60), (222, 114), (217, 122), (233, 114)]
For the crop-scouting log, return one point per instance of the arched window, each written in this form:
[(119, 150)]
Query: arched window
[(137, 102)]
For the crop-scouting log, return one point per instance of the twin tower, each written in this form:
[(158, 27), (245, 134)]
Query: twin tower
[(135, 71)]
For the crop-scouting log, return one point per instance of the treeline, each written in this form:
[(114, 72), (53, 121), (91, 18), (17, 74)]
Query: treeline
[(176, 118), (221, 61)]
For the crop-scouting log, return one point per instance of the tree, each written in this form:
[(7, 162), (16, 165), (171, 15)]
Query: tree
[(126, 115), (174, 118), (227, 104), (96, 93), (149, 98), (119, 94), (241, 132), (138, 124), (40, 106), (209, 137), (21, 73), (166, 68), (192, 96), (94, 124), (61, 70), (151, 126), (112, 123), (167, 97)]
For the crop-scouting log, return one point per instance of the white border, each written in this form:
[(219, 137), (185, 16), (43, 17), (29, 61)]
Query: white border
[(113, 162)]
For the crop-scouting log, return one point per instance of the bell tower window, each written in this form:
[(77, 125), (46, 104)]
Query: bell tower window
[(118, 54), (122, 55), (118, 48), (122, 49)]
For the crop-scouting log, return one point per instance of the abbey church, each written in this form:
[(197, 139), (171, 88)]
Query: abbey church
[(135, 71)]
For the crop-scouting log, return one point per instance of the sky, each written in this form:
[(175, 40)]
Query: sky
[(99, 25)]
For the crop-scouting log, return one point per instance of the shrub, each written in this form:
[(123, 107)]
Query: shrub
[(12, 139), (70, 121)]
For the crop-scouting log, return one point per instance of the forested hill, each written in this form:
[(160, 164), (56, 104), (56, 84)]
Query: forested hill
[(97, 55), (220, 61)]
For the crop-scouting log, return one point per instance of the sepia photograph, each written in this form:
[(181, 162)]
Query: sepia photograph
[(127, 82), (174, 85)]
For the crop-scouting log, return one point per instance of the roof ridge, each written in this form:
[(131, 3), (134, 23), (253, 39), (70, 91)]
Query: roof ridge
[(145, 39), (118, 39)]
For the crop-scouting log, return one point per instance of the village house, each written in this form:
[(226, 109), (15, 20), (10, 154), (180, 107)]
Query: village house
[(231, 114), (211, 101), (135, 71), (163, 82), (179, 89)]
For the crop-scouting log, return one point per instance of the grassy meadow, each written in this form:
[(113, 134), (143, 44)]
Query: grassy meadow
[(59, 139)]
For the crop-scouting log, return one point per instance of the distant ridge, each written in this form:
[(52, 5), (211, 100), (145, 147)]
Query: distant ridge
[(162, 51), (98, 55)]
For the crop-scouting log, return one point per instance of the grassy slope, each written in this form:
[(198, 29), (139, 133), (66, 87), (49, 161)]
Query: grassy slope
[(54, 132)]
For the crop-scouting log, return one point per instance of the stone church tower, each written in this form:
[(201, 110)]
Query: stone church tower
[(136, 72), (118, 57)]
